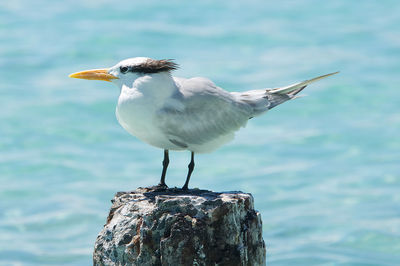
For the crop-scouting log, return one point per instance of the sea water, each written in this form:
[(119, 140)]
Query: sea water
[(324, 170)]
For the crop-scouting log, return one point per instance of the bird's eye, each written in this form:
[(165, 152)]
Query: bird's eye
[(123, 69)]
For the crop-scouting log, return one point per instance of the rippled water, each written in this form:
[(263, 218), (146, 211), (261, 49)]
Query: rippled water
[(324, 169)]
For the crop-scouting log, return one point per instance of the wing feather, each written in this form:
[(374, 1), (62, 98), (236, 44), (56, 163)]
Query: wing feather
[(201, 112)]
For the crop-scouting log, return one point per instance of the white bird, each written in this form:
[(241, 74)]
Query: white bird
[(174, 113)]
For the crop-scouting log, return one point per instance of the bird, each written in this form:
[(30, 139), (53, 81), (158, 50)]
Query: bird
[(177, 114)]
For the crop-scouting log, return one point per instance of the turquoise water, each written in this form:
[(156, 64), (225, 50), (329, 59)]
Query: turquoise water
[(324, 169)]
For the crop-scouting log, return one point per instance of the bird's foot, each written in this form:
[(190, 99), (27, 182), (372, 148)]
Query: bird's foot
[(162, 186), (158, 188), (185, 187)]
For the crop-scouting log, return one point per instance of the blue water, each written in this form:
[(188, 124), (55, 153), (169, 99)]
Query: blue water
[(324, 169)]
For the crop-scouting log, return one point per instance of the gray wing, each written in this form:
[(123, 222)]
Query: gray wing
[(200, 112)]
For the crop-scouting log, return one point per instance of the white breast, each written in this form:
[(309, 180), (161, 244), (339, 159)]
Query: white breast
[(136, 114)]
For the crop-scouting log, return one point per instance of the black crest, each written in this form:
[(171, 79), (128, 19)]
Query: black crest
[(154, 66)]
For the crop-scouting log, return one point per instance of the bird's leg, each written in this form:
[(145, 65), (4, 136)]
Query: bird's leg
[(164, 170), (191, 167)]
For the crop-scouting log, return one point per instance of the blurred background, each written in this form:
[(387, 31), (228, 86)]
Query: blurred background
[(324, 169)]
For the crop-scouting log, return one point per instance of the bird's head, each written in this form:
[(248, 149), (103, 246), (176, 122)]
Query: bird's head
[(128, 70)]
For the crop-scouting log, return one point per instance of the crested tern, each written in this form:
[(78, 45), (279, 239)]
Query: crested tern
[(174, 113)]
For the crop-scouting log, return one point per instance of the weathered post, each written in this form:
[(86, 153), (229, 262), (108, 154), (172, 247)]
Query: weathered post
[(151, 226)]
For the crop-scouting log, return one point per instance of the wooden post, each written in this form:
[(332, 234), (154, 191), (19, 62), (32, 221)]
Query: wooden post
[(151, 226)]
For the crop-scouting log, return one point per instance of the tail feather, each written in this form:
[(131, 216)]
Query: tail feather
[(298, 86), (281, 95)]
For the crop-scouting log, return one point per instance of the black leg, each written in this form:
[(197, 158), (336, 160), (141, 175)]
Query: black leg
[(164, 170), (191, 167)]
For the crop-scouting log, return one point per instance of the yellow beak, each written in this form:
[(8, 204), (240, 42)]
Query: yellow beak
[(94, 74)]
